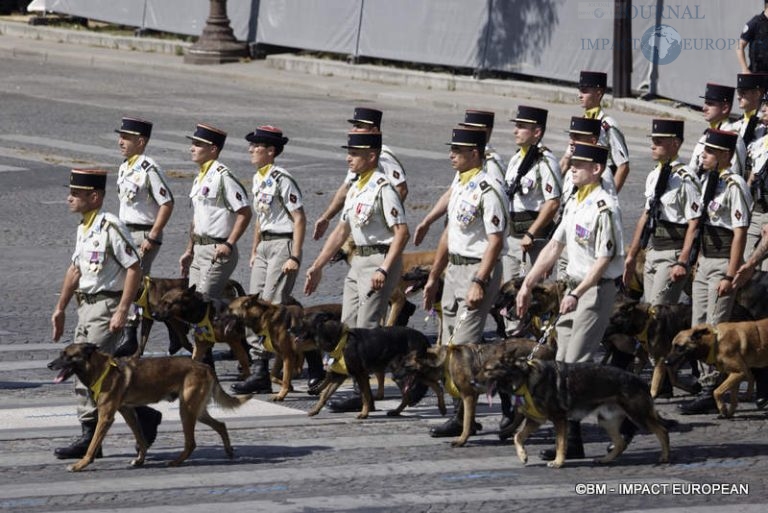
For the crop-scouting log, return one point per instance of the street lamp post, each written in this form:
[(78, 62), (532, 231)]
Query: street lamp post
[(217, 43)]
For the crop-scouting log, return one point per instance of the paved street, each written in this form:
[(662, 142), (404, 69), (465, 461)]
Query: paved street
[(59, 106)]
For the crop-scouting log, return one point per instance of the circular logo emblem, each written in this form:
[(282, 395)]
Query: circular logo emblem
[(599, 13), (661, 43)]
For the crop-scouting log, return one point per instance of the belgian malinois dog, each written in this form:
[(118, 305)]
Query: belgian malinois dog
[(129, 382)]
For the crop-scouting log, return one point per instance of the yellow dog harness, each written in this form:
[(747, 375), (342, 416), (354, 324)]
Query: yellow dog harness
[(339, 366), (96, 387)]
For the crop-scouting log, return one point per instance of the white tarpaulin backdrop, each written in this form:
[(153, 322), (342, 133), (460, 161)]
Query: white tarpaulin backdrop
[(543, 38)]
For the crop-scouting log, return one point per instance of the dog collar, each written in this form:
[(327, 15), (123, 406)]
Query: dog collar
[(339, 366), (528, 407), (143, 301), (204, 328), (96, 387)]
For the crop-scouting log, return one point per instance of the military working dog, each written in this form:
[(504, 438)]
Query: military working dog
[(125, 383), (560, 392)]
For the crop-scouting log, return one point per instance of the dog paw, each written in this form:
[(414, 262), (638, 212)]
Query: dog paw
[(458, 443), (137, 462), (603, 461), (554, 464), (523, 456), (362, 416), (393, 413), (277, 398)]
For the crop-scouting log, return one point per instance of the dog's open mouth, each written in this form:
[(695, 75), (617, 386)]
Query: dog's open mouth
[(408, 382), (63, 375)]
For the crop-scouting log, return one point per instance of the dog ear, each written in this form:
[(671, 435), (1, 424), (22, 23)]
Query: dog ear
[(89, 349), (699, 332), (193, 288)]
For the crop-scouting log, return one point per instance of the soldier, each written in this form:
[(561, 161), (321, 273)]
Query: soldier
[(469, 252), (493, 164), (726, 204), (221, 214), (374, 216), (146, 204), (103, 276), (718, 100), (278, 239), (369, 121), (534, 185), (755, 34), (668, 222), (591, 230), (592, 86), (758, 186), (749, 92)]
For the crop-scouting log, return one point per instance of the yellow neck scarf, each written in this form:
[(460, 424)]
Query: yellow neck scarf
[(88, 218), (264, 170), (584, 191), (132, 160), (466, 176), (592, 113), (364, 178), (204, 169), (748, 115)]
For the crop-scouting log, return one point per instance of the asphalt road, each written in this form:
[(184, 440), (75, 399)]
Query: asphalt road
[(59, 106)]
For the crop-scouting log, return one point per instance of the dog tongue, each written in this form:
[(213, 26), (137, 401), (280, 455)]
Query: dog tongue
[(503, 312), (61, 377)]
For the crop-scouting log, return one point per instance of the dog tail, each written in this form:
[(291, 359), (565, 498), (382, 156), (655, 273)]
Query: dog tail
[(226, 401)]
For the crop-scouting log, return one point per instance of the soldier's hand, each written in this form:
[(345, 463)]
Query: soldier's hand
[(568, 304), (677, 273), (57, 321), (743, 275), (629, 271), (475, 296), (184, 262), (321, 225), (290, 266), (313, 279), (420, 232), (378, 279), (429, 294), (724, 288), (522, 301), (118, 320)]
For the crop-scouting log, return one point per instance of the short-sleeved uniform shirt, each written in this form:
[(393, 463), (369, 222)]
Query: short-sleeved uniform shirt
[(142, 189), (732, 203), (541, 183), (372, 207), (216, 197), (738, 162), (389, 165), (681, 200), (275, 196)]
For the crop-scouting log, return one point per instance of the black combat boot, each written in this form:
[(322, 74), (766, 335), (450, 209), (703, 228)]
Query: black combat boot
[(129, 345), (149, 419), (315, 371), (258, 382), (79, 447), (574, 447), (703, 404), (761, 387), (347, 404), (510, 420), (455, 425)]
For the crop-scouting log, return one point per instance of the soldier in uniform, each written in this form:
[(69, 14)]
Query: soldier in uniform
[(718, 101), (758, 186), (672, 200), (750, 88), (365, 120), (146, 204), (754, 35), (221, 214), (723, 223), (534, 185), (278, 239), (373, 214), (103, 276), (592, 86), (493, 164), (469, 252), (592, 231)]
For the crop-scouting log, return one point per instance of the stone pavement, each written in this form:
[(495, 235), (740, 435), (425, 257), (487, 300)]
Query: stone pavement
[(55, 96)]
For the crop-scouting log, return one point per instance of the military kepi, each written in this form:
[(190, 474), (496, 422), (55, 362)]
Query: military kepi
[(363, 141), (468, 137), (590, 153), (585, 126), (133, 126), (266, 134), (593, 79), (366, 116), (752, 81), (533, 115), (209, 135), (88, 179), (667, 128), (478, 118), (718, 93), (721, 140)]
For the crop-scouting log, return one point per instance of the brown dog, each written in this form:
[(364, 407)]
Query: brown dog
[(189, 306), (275, 321), (130, 382), (545, 302), (734, 347), (653, 327)]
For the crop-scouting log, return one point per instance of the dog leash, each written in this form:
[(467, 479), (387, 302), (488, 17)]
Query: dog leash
[(544, 335)]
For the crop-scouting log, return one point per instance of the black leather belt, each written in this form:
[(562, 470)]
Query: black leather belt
[(139, 227), (462, 260), (90, 299), (373, 249), (275, 236), (204, 240)]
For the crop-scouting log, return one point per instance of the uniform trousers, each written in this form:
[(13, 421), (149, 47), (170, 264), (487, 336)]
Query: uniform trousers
[(93, 327), (358, 310), (579, 332), (754, 236), (512, 266), (657, 287), (460, 325), (267, 278), (211, 277)]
